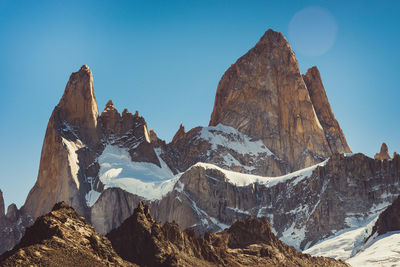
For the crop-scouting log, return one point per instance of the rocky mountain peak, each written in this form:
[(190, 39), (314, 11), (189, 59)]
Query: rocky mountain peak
[(78, 105), (109, 105), (272, 37), (383, 154), (1, 204), (179, 134), (263, 95), (12, 212), (333, 133)]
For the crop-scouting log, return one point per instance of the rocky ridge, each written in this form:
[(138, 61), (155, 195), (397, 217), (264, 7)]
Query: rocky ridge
[(340, 193), (62, 238), (142, 240)]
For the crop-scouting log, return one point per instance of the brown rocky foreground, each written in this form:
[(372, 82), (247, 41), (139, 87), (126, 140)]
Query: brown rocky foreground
[(248, 242), (63, 238)]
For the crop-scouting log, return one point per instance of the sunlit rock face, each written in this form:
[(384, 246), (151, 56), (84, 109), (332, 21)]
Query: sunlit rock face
[(264, 96), (333, 133)]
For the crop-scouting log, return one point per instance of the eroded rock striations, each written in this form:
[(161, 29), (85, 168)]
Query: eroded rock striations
[(142, 240), (62, 238)]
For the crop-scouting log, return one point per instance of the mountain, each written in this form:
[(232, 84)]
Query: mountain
[(264, 96), (142, 240), (12, 225), (62, 238), (273, 148)]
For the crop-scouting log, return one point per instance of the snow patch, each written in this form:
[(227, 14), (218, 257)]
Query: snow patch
[(72, 148), (140, 178), (344, 243), (242, 179), (231, 138), (383, 251)]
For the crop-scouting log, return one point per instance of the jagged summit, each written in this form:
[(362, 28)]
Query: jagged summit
[(333, 133), (383, 154), (179, 134), (78, 105), (271, 36), (264, 96), (1, 204)]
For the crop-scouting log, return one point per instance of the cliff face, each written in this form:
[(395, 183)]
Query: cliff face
[(62, 238), (264, 96), (251, 242), (70, 131), (333, 133)]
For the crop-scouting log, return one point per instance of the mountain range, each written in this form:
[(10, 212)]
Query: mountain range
[(273, 156)]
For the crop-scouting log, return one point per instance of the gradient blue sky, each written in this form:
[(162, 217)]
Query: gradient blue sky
[(165, 58)]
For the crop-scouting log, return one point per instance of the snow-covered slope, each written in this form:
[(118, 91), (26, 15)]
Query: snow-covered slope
[(384, 251), (345, 243), (140, 178)]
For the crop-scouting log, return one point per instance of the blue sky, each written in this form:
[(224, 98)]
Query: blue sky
[(165, 58)]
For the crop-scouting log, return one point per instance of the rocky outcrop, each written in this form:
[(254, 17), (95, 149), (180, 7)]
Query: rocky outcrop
[(62, 238), (333, 133), (12, 225), (264, 96), (142, 240), (179, 134), (1, 204), (388, 220), (68, 144), (129, 131), (225, 147), (384, 153)]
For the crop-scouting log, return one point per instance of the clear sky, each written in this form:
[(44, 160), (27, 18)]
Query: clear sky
[(165, 58)]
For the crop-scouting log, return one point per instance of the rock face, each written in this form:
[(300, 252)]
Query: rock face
[(62, 238), (333, 133), (389, 220), (71, 129), (1, 204), (223, 146), (384, 153), (140, 239), (264, 96)]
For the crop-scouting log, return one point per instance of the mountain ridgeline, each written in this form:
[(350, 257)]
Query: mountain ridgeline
[(273, 148)]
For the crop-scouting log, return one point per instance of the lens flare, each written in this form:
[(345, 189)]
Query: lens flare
[(312, 31)]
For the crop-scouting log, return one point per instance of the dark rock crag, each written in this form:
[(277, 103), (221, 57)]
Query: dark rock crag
[(142, 240), (62, 238)]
